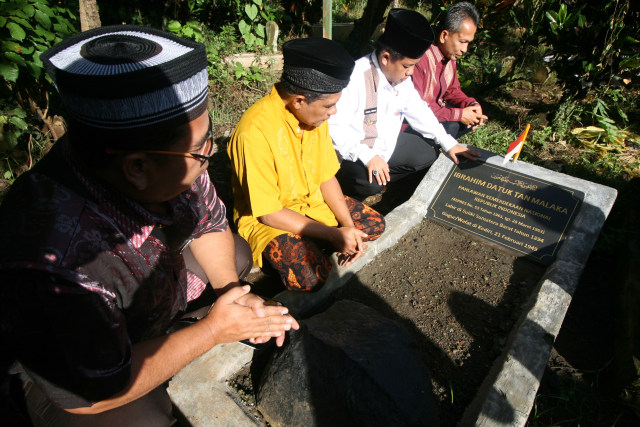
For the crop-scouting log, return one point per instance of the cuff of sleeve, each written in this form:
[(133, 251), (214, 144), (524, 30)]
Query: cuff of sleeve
[(267, 209), (448, 143), (365, 154)]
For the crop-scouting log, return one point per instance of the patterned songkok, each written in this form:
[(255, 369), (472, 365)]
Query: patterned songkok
[(128, 78)]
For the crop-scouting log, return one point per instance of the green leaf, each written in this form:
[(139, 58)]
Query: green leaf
[(61, 29), (45, 9), (34, 70), (249, 39), (258, 2), (244, 27), (174, 26), (630, 63), (19, 112), (3, 21), (7, 175), (14, 57), (16, 31), (9, 71), (20, 14), (29, 10), (562, 13), (260, 31), (19, 123), (11, 46), (187, 32), (251, 11), (43, 19), (23, 22)]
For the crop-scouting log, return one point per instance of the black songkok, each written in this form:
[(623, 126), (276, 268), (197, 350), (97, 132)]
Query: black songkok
[(316, 64), (407, 32), (129, 79)]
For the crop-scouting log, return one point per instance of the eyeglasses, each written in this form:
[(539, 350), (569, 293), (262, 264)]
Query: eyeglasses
[(208, 149)]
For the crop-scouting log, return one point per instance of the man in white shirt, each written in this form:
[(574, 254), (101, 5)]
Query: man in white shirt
[(380, 96)]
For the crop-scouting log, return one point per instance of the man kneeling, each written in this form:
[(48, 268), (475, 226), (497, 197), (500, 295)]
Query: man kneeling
[(288, 203)]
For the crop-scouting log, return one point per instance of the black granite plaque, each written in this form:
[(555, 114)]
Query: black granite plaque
[(519, 212)]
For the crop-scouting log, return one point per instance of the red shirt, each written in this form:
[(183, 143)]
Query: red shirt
[(436, 80)]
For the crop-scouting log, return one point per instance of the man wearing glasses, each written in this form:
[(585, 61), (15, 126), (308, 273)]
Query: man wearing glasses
[(109, 238), (287, 201)]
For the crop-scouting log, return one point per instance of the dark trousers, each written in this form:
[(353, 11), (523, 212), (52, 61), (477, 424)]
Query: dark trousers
[(456, 129), (154, 409), (413, 153)]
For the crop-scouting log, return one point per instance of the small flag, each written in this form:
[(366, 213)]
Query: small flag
[(516, 146)]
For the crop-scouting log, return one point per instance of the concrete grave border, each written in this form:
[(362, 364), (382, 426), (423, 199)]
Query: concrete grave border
[(507, 394)]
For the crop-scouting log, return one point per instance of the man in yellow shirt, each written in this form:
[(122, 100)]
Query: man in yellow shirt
[(287, 202)]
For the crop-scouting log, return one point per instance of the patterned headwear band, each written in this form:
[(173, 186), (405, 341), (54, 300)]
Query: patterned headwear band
[(127, 78), (313, 80)]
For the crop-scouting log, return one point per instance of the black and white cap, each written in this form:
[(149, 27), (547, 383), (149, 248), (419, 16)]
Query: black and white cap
[(127, 78)]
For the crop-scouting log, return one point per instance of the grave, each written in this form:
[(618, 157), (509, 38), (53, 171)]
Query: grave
[(521, 213), (507, 393)]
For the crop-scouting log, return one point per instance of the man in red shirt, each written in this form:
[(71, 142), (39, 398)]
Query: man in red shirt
[(436, 79)]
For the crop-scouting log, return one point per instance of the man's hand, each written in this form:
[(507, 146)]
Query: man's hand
[(348, 240), (472, 116), (254, 302), (346, 260), (228, 321), (461, 150), (378, 169), (349, 244)]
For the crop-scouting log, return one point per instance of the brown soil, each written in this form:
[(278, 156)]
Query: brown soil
[(458, 297)]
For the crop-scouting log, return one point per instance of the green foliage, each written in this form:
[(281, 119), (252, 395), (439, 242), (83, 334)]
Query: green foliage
[(592, 45), (20, 141), (13, 125), (29, 27), (253, 16), (190, 30), (251, 74)]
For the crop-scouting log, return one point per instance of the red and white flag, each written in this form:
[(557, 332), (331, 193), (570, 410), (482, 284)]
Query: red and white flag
[(516, 147)]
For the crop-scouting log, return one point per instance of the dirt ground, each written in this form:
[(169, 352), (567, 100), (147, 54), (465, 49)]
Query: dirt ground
[(458, 297)]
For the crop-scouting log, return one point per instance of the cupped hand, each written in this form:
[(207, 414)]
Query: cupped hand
[(254, 302), (230, 321)]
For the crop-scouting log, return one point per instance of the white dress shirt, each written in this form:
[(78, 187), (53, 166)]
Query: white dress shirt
[(395, 103)]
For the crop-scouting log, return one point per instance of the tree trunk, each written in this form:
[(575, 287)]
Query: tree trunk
[(89, 15)]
